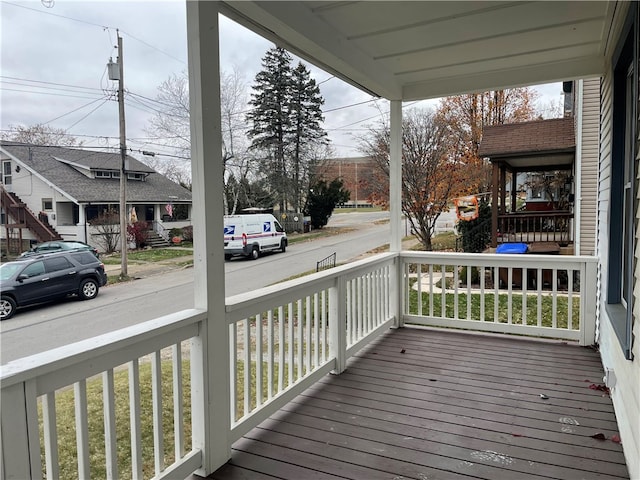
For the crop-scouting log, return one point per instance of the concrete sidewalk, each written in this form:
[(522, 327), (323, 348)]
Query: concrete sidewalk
[(137, 269)]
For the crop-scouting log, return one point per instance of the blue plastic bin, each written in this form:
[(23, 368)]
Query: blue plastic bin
[(517, 248)]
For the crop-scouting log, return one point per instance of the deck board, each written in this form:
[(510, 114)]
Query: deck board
[(436, 404)]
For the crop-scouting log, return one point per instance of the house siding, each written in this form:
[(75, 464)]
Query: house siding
[(626, 392), (589, 165)]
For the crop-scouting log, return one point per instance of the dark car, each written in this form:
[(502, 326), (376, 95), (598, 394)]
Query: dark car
[(59, 246), (43, 278)]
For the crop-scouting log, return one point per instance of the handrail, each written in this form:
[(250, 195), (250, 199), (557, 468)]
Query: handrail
[(38, 377), (549, 296), (284, 338), (44, 232)]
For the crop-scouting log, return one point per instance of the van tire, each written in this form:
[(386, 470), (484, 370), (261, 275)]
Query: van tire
[(283, 246), (255, 253)]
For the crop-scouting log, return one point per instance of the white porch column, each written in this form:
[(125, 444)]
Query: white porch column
[(395, 176), (395, 206), (210, 352)]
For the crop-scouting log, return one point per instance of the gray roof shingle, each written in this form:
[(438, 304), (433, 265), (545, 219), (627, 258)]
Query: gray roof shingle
[(44, 160)]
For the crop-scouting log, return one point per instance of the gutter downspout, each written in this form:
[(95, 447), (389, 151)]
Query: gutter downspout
[(577, 217)]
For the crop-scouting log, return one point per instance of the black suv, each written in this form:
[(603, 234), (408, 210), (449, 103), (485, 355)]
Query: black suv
[(43, 278)]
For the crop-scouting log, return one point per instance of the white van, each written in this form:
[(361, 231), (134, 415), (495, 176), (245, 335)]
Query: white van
[(250, 235)]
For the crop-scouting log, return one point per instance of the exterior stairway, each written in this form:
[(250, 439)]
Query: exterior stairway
[(23, 217), (156, 241)]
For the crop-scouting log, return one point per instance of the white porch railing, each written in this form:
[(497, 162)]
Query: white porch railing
[(549, 296), (31, 386), (290, 335), (282, 340)]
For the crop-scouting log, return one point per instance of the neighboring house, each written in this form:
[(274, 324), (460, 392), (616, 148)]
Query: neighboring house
[(55, 192), (558, 158)]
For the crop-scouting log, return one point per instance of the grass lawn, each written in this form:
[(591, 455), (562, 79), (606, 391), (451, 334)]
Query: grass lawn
[(67, 431), (150, 255), (66, 418), (562, 307)]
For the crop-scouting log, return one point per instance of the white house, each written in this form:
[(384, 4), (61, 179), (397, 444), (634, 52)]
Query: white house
[(55, 192)]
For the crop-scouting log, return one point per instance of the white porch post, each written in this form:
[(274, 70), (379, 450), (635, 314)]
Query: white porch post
[(395, 175), (395, 205), (210, 357)]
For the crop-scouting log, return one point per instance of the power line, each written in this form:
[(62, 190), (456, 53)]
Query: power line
[(55, 15), (48, 83), (74, 110), (104, 27), (45, 93), (348, 106), (69, 128), (155, 48)]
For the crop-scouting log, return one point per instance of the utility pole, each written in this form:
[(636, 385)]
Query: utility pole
[(123, 163)]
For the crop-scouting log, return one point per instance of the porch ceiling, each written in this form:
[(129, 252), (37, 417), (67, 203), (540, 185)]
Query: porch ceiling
[(413, 50)]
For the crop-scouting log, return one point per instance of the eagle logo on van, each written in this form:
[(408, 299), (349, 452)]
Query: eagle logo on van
[(229, 229), (266, 227)]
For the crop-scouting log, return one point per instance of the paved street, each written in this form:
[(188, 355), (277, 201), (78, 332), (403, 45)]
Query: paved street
[(40, 328)]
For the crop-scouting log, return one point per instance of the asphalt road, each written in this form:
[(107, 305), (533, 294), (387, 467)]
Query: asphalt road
[(40, 328)]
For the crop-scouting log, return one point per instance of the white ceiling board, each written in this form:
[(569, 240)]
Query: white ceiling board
[(410, 49)]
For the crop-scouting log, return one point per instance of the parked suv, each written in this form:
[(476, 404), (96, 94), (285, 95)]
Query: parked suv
[(59, 246), (43, 278)]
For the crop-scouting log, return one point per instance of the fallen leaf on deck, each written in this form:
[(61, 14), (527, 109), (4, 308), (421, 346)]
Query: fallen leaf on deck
[(601, 388), (616, 438), (543, 396), (599, 436), (402, 351), (516, 435)]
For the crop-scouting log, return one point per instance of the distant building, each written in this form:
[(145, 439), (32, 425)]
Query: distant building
[(358, 175)]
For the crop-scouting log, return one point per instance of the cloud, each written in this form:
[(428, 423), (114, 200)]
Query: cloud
[(70, 44)]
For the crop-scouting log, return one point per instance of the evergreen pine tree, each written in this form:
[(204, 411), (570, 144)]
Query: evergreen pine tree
[(306, 131), (270, 118)]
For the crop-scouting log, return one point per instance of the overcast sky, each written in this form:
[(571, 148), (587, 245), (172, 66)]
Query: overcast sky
[(53, 69)]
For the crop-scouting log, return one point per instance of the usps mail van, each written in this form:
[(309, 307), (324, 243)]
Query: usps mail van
[(250, 235)]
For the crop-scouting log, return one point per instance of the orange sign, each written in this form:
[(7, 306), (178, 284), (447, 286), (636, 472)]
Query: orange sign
[(467, 208)]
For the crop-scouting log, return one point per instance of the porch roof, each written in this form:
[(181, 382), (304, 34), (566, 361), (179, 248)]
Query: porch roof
[(413, 50), (538, 144)]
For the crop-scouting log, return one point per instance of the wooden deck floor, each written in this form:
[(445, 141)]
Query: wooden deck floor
[(426, 404)]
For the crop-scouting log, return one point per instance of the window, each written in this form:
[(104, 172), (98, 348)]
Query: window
[(103, 174), (47, 204), (84, 258), (624, 187), (6, 172), (34, 269), (56, 264), (136, 176)]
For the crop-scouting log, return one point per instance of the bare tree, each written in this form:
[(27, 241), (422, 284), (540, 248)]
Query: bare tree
[(430, 173), (107, 226), (170, 126), (40, 134)]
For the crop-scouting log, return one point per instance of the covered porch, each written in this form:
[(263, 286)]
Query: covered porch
[(538, 158), (444, 403)]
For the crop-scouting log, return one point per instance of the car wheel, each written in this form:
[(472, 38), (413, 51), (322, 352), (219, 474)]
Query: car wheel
[(88, 289), (227, 257), (255, 253), (283, 246), (7, 308)]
